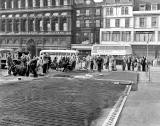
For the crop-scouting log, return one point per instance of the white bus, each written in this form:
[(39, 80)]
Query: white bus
[(54, 53)]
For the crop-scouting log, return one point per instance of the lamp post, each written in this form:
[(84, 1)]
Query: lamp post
[(147, 48), (149, 39)]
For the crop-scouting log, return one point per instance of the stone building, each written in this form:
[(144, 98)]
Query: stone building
[(46, 24), (132, 22), (146, 28), (117, 22), (88, 23)]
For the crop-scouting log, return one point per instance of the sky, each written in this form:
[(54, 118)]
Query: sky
[(98, 0)]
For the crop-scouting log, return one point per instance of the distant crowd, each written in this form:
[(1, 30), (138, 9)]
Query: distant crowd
[(42, 64)]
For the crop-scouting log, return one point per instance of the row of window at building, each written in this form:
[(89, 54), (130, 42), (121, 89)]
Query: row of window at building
[(88, 12), (139, 22), (117, 23), (88, 23), (15, 4), (83, 2), (124, 11), (143, 22), (148, 7), (125, 36), (90, 37), (116, 36), (38, 25), (48, 41)]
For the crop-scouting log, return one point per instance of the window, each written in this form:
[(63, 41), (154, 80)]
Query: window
[(88, 1), (19, 3), (154, 6), (78, 12), (9, 4), (10, 26), (117, 1), (86, 36), (127, 22), (98, 12), (107, 23), (37, 3), (154, 21), (3, 25), (87, 23), (78, 38), (122, 10), (106, 36), (61, 2), (142, 22), (142, 7), (53, 2), (117, 23), (116, 36), (159, 36), (126, 36), (45, 3), (77, 23), (144, 36), (65, 2), (126, 10), (87, 12), (109, 11), (97, 23)]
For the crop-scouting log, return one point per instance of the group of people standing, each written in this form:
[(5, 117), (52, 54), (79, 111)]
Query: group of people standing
[(25, 65), (130, 63), (41, 65)]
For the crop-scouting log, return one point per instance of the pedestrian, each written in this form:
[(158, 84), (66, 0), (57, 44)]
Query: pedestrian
[(143, 64), (32, 67), (91, 64), (45, 63), (124, 63), (9, 63), (99, 62)]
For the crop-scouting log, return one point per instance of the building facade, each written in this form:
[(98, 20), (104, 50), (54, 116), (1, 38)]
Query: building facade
[(117, 22), (146, 28), (133, 22), (47, 24), (88, 23)]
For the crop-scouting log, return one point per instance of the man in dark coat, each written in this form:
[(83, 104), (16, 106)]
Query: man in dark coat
[(32, 67), (143, 64), (99, 62)]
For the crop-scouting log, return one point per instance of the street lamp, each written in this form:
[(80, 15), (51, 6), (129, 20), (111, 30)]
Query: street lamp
[(149, 39)]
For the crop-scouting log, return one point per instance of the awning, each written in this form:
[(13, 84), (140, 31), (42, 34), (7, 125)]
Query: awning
[(111, 50)]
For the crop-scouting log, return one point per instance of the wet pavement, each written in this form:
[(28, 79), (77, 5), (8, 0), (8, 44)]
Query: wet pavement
[(58, 98), (53, 101)]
